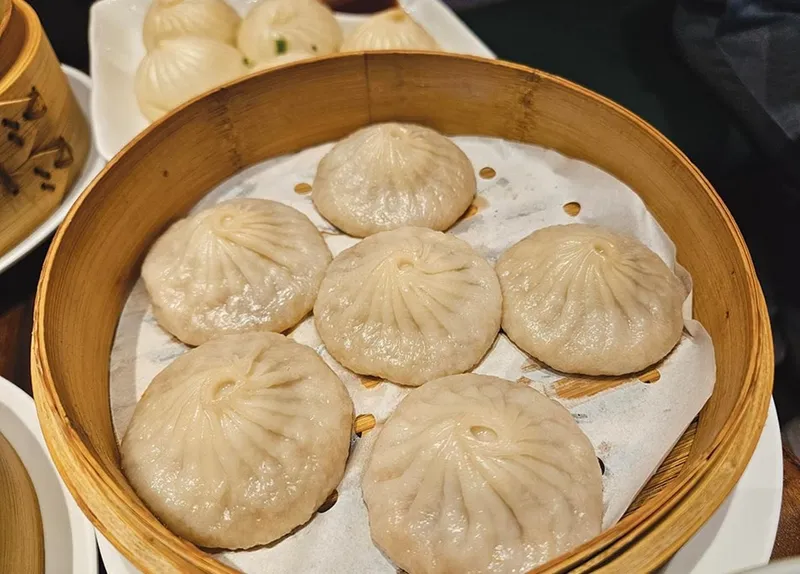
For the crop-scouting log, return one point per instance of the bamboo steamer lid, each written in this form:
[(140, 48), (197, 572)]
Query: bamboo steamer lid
[(5, 14), (44, 137), (21, 534), (11, 40), (106, 234)]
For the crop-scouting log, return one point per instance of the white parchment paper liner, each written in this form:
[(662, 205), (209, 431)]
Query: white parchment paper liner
[(633, 425)]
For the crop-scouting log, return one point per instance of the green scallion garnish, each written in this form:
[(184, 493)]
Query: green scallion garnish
[(281, 46)]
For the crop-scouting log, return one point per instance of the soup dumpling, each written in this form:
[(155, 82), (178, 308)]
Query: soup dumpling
[(409, 305), (390, 30), (473, 473), (243, 265), (239, 441), (392, 175), (586, 299)]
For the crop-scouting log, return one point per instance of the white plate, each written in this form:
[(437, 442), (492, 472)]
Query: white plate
[(739, 535), (69, 542), (116, 48), (81, 86), (788, 566)]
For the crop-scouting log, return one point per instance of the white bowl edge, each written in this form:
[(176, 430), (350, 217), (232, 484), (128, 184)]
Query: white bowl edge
[(69, 540)]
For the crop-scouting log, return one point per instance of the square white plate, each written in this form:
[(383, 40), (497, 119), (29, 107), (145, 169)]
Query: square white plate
[(116, 47)]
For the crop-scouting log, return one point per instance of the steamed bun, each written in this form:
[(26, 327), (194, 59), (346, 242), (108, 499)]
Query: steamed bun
[(386, 176), (243, 265), (409, 305), (473, 473), (239, 441), (275, 27), (168, 19), (586, 299), (180, 68), (392, 29)]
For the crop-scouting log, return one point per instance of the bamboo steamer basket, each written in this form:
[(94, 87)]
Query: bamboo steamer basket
[(5, 14), (96, 255), (21, 533), (44, 137)]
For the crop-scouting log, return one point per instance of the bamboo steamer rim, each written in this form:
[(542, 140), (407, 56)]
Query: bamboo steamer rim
[(663, 519), (21, 545), (5, 14), (713, 483), (33, 37)]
